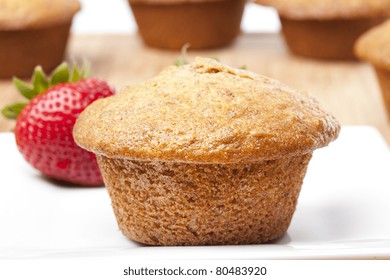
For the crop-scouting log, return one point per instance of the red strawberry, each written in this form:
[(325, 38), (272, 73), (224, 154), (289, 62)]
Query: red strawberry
[(44, 126)]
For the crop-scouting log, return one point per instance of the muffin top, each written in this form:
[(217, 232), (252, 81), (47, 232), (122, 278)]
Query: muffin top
[(374, 46), (25, 14), (205, 112), (329, 9)]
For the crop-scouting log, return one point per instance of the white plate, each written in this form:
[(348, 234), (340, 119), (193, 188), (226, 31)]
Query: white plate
[(343, 211)]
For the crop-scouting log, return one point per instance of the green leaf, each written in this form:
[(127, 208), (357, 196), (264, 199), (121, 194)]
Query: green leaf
[(25, 89), (76, 75), (12, 111), (80, 74), (39, 80), (60, 74)]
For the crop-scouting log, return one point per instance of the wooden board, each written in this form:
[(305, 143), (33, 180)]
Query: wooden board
[(348, 89)]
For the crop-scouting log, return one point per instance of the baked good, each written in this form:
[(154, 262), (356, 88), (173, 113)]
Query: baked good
[(374, 47), (33, 32), (204, 154), (170, 24), (327, 29)]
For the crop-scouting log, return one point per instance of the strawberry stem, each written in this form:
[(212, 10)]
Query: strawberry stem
[(183, 59)]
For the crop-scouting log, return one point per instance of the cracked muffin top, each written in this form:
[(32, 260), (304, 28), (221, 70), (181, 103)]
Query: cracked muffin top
[(374, 46), (24, 14), (329, 9), (205, 112)]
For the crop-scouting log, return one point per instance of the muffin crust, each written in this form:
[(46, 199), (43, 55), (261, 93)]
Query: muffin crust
[(202, 24), (168, 203), (329, 9), (205, 112), (22, 14), (374, 46)]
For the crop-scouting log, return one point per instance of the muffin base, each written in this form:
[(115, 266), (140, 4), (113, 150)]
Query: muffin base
[(383, 76), (325, 39), (22, 50), (165, 203), (207, 24)]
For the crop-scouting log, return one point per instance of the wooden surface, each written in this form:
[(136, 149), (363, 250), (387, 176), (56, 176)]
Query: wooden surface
[(348, 89)]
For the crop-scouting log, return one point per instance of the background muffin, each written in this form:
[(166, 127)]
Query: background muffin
[(33, 32), (327, 29), (374, 46), (204, 154), (201, 23)]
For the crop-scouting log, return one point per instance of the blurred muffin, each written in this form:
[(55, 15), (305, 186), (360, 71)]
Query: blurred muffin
[(374, 46), (204, 154), (327, 29), (33, 32), (203, 24)]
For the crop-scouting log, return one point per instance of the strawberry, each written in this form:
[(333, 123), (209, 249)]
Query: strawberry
[(44, 126)]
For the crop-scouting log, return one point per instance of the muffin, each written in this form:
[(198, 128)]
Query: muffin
[(204, 154), (374, 46), (170, 24), (33, 32), (327, 29)]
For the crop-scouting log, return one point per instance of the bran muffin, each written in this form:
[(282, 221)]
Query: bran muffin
[(204, 154), (170, 24), (327, 29), (33, 32), (374, 47)]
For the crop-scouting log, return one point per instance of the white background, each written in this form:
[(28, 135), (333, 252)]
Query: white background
[(114, 16)]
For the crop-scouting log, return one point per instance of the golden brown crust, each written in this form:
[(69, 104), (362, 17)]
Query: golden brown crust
[(374, 46), (328, 9), (205, 112), (22, 14)]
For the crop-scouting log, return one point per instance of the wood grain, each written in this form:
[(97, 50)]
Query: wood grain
[(348, 89)]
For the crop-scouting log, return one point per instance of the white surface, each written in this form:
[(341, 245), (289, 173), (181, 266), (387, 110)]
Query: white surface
[(114, 16), (343, 211)]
